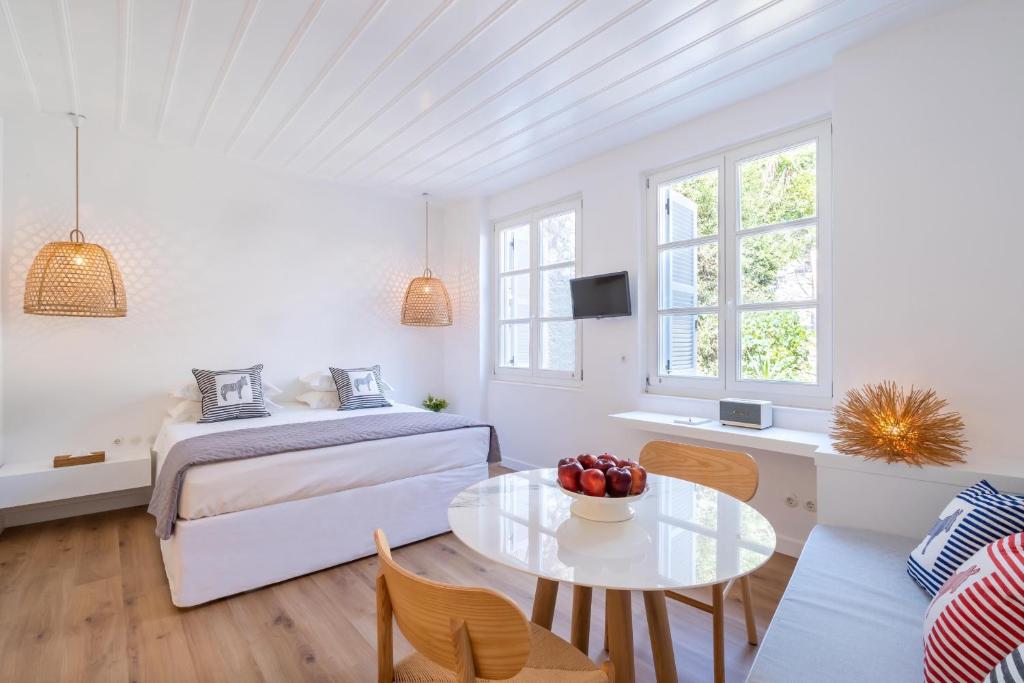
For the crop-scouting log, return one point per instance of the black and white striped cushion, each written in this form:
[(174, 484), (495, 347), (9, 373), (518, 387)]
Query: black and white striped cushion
[(231, 394), (1010, 670), (359, 388)]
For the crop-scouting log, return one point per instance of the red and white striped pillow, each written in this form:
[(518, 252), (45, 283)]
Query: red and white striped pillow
[(977, 617)]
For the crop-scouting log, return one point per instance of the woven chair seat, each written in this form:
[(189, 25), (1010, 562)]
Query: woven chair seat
[(551, 660)]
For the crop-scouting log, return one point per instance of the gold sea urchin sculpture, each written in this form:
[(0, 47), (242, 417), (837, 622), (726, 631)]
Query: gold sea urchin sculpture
[(881, 422)]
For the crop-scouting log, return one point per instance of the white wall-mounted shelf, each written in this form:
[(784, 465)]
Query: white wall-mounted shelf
[(895, 498), (38, 481), (776, 439)]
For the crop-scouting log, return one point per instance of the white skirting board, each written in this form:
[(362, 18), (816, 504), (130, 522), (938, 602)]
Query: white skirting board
[(213, 557)]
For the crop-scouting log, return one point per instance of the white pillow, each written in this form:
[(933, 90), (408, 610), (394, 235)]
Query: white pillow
[(190, 391), (322, 380), (319, 381), (320, 399), (185, 411)]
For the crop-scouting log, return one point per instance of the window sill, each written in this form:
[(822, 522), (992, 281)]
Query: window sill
[(539, 383), (775, 439), (819, 447)]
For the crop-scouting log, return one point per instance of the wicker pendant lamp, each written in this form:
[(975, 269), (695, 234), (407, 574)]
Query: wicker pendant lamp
[(426, 298), (75, 278)]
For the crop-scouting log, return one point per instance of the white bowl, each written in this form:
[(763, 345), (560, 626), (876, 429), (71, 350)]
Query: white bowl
[(603, 509)]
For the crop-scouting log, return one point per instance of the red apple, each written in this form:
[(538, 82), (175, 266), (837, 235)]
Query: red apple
[(609, 456), (566, 461), (587, 460), (626, 462), (604, 464), (569, 476), (639, 479), (619, 482), (593, 483)]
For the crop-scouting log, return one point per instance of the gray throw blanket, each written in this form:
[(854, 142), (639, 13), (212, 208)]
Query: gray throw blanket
[(251, 443)]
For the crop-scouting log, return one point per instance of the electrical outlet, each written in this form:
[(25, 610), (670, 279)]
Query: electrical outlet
[(811, 506), (792, 501), (117, 441)]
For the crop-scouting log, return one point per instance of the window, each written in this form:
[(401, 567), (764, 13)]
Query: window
[(739, 272), (535, 336)]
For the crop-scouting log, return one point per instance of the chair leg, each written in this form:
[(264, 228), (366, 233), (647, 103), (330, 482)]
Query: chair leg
[(748, 610), (580, 630), (544, 603), (718, 630)]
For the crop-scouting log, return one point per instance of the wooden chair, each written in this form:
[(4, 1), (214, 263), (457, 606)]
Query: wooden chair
[(463, 633), (726, 471)]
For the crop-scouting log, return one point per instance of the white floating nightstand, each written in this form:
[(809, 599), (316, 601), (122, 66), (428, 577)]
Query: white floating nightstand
[(38, 481)]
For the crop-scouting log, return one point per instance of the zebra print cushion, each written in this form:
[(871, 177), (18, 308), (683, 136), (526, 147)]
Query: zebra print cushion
[(1010, 670), (231, 394), (359, 388), (976, 517)]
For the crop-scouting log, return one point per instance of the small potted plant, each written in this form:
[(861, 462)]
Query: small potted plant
[(434, 403)]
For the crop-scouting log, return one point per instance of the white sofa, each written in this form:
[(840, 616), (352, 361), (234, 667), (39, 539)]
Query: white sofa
[(850, 614)]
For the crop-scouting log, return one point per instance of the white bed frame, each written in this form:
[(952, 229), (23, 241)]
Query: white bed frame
[(213, 557)]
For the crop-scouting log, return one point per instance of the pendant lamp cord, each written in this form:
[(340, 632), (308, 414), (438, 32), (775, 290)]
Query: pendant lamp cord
[(76, 235), (426, 221)]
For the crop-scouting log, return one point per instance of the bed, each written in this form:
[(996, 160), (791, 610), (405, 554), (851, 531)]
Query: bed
[(243, 524)]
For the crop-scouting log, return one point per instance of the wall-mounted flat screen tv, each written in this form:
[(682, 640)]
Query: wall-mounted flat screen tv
[(600, 296)]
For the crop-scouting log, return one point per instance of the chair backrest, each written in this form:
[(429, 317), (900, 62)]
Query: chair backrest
[(730, 472), (427, 612)]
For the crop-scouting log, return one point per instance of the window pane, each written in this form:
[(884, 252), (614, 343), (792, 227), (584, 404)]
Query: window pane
[(515, 296), (514, 346), (779, 346), (778, 187), (688, 276), (558, 346), (558, 238), (515, 248), (692, 208), (778, 266), (555, 301), (688, 345)]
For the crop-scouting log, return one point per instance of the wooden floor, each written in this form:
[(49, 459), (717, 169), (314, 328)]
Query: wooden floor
[(86, 599)]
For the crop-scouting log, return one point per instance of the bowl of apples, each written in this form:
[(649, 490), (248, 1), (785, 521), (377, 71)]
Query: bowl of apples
[(602, 486)]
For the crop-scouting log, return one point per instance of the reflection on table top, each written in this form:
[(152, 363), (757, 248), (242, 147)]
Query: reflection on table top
[(683, 534)]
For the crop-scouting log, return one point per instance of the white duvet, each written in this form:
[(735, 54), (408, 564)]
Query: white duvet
[(223, 487)]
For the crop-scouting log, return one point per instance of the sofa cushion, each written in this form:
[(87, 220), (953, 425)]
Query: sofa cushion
[(978, 515), (977, 617), (850, 613)]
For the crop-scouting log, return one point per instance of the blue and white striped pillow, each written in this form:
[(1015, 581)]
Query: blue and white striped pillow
[(978, 516)]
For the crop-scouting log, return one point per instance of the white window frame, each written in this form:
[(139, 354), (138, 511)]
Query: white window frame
[(535, 374), (729, 383)]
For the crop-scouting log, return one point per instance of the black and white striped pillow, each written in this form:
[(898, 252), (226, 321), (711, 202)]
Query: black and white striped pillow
[(359, 388), (231, 394), (1010, 670)]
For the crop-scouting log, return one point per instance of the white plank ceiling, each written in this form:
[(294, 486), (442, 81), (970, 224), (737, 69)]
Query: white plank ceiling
[(454, 97)]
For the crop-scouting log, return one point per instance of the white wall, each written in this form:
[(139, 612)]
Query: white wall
[(929, 148), (225, 265), (928, 143)]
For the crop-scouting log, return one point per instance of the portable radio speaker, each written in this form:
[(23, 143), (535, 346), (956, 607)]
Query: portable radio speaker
[(742, 412)]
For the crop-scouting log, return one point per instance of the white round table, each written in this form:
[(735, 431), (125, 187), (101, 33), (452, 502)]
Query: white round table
[(682, 536)]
